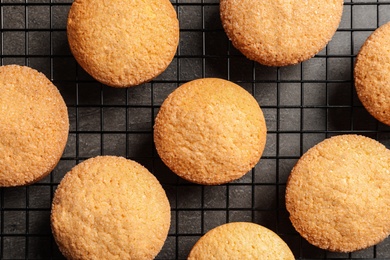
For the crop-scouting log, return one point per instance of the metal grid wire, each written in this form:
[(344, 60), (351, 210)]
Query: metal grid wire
[(303, 105)]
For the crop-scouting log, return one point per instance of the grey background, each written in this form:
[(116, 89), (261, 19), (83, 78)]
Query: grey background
[(303, 104)]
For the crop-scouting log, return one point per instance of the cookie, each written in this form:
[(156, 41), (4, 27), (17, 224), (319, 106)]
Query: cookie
[(210, 131), (123, 43), (241, 240), (280, 33), (338, 193), (34, 126), (372, 74), (109, 207)]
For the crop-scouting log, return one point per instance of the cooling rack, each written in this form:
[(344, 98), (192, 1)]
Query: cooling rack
[(303, 104)]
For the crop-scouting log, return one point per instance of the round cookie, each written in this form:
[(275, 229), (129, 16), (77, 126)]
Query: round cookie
[(372, 74), (210, 131), (241, 240), (338, 194), (109, 207), (123, 43), (34, 126), (280, 33)]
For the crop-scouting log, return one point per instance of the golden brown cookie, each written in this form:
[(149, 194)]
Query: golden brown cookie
[(280, 33), (241, 240), (34, 125), (338, 194), (372, 74), (210, 131), (109, 207), (125, 42)]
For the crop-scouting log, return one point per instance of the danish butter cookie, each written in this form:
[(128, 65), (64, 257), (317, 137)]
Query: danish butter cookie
[(338, 193), (109, 207), (125, 42), (372, 74), (280, 33), (210, 131), (241, 240), (34, 125)]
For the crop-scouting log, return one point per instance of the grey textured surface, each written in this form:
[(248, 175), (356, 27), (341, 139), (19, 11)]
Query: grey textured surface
[(303, 104)]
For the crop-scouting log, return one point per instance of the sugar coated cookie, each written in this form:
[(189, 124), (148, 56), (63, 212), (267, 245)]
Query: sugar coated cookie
[(338, 194), (123, 43), (241, 240), (372, 74), (34, 125), (279, 33), (210, 131), (109, 207)]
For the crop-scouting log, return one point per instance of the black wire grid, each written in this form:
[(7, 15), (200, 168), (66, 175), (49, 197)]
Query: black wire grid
[(302, 104)]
